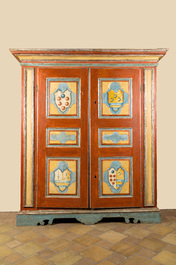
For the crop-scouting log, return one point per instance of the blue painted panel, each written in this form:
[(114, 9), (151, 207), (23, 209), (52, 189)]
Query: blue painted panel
[(88, 218), (115, 137), (115, 108), (63, 88), (106, 177), (61, 167), (92, 64), (63, 137)]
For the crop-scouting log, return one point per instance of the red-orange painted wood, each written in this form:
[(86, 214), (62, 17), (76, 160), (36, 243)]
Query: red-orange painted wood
[(89, 149), (43, 152), (142, 134), (134, 151)]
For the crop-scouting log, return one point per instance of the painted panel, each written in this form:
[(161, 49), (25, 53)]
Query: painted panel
[(63, 97), (63, 177), (115, 177), (29, 138), (115, 137), (123, 65), (115, 98), (149, 160), (77, 57), (62, 137)]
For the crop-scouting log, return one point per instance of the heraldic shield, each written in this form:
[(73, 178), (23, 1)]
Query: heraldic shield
[(62, 177), (63, 98), (115, 98), (115, 177)]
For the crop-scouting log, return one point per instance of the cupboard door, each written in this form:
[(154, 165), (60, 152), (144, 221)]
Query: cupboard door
[(62, 138), (115, 138)]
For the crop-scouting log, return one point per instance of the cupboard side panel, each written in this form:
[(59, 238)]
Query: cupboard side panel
[(27, 151)]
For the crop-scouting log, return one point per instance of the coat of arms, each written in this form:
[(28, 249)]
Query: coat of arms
[(63, 98), (115, 177), (115, 98), (62, 177)]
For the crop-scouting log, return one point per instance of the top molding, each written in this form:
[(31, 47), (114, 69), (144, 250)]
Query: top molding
[(54, 56)]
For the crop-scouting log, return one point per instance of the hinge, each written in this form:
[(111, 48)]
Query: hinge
[(36, 187), (140, 88), (37, 87)]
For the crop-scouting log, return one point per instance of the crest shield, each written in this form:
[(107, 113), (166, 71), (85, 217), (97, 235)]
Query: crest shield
[(115, 99), (62, 179), (63, 99), (116, 177)]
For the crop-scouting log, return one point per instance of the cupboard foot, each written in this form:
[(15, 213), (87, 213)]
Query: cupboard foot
[(89, 217)]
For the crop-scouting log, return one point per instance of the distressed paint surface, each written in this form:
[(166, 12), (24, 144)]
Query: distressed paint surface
[(63, 137), (89, 218), (129, 58), (149, 197), (45, 57), (63, 97), (115, 98), (63, 176), (29, 148), (115, 177), (122, 65), (115, 137)]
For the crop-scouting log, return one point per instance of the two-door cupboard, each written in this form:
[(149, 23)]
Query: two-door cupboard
[(88, 135)]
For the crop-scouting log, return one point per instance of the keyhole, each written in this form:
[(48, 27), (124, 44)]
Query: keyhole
[(95, 177), (95, 102)]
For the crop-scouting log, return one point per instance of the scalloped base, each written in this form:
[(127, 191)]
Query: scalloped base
[(88, 217)]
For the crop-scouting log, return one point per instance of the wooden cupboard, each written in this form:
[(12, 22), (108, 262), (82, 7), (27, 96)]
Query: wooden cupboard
[(88, 135)]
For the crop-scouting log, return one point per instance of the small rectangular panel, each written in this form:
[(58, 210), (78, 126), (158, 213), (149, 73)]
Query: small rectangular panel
[(29, 138), (115, 97), (149, 168), (65, 137), (63, 97), (115, 177), (63, 177), (115, 137)]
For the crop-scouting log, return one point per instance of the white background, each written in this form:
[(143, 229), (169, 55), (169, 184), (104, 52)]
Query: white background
[(86, 24)]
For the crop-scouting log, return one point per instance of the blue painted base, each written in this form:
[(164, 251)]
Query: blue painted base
[(89, 217)]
